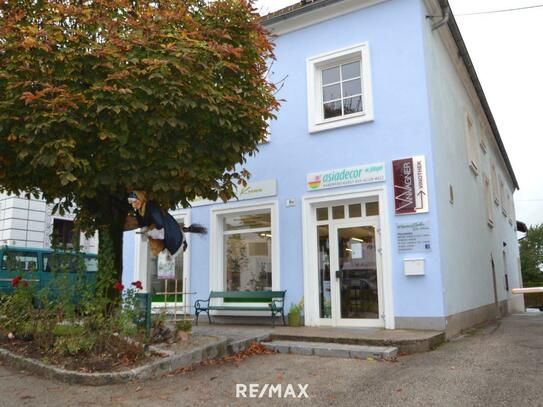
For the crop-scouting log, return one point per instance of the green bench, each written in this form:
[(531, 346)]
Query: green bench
[(273, 302)]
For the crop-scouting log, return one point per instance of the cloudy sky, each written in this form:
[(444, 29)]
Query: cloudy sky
[(505, 48)]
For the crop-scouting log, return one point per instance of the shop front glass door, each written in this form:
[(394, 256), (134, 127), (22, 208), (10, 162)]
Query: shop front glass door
[(356, 279)]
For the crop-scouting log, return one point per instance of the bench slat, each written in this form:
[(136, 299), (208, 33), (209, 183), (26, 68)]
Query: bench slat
[(219, 308), (247, 294)]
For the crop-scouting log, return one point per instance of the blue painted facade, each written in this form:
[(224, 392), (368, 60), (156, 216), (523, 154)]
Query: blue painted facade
[(402, 127)]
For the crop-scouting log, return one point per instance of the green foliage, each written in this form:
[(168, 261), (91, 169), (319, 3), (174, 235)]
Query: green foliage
[(67, 318), (184, 325), (99, 97), (296, 309), (74, 344), (531, 257)]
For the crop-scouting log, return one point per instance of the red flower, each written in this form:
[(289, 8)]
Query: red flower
[(118, 286), (15, 281), (138, 285), (25, 283)]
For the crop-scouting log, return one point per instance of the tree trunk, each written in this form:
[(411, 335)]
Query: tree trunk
[(112, 231)]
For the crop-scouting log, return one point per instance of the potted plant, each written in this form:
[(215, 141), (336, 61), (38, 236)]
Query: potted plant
[(295, 314)]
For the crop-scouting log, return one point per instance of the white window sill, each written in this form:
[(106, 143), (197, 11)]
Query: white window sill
[(340, 122)]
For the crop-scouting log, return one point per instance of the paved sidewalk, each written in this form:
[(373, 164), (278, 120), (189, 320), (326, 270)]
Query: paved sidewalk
[(498, 365)]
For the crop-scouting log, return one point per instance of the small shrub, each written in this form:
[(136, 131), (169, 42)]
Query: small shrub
[(71, 345), (185, 326)]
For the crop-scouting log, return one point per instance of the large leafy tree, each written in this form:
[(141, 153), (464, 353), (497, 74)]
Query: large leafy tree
[(99, 97), (531, 257)]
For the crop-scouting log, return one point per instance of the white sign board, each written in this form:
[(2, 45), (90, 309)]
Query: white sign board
[(360, 174), (414, 237), (253, 190)]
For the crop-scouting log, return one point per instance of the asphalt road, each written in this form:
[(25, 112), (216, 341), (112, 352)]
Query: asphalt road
[(497, 365)]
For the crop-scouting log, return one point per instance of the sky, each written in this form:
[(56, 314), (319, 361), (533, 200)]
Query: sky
[(505, 48)]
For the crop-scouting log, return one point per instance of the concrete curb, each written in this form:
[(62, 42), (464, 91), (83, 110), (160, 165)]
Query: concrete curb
[(404, 345), (334, 350), (152, 370)]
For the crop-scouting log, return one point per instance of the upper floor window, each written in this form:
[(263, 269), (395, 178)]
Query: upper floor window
[(495, 193), (488, 201), (502, 198), (473, 145), (339, 88)]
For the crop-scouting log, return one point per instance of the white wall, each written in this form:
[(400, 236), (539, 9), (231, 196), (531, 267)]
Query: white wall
[(467, 240), (29, 223)]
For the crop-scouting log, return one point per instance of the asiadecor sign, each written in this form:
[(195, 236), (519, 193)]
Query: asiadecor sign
[(361, 174), (410, 186)]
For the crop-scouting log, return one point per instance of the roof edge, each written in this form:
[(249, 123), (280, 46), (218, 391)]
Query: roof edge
[(457, 36), (305, 6)]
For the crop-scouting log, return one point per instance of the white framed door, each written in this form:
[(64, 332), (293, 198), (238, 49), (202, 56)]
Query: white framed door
[(363, 287), (356, 277)]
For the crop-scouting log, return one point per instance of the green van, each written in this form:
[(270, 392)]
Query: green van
[(37, 266)]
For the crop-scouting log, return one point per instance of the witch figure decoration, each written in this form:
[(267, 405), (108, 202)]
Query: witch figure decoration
[(159, 226)]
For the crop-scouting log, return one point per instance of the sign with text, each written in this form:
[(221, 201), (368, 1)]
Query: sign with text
[(410, 186), (414, 237), (361, 174), (253, 190)]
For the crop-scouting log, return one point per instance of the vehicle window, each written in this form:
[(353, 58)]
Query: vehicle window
[(60, 262), (20, 261), (91, 264)]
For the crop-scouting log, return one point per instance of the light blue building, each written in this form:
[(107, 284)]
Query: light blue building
[(384, 195)]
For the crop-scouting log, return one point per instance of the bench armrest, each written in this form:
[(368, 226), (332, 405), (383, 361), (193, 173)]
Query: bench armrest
[(277, 303), (198, 304)]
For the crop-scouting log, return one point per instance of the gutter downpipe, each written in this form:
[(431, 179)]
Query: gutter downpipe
[(444, 20)]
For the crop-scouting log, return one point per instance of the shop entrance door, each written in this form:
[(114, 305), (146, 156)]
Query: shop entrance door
[(356, 277)]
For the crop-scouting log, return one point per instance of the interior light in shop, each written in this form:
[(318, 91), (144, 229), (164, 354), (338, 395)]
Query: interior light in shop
[(349, 250), (265, 235), (357, 239)]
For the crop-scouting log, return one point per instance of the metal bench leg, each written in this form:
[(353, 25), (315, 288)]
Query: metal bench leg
[(208, 317), (197, 313), (283, 315)]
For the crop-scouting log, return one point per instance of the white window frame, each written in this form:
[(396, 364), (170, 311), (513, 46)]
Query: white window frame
[(473, 144), (216, 269), (315, 65), (495, 191), (503, 197), (488, 201), (141, 273), (483, 138)]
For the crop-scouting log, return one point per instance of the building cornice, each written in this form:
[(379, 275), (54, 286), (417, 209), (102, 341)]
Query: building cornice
[(304, 14)]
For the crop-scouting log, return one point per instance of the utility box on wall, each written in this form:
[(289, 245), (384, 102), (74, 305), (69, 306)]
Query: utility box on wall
[(413, 267)]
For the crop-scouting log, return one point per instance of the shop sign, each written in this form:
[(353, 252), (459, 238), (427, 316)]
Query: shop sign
[(410, 185), (414, 237), (360, 174), (253, 190)]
